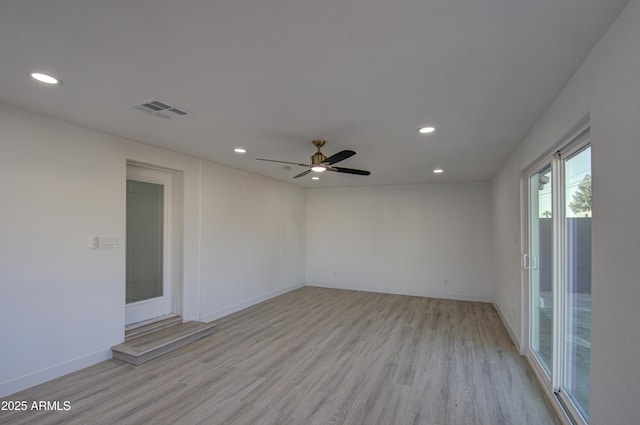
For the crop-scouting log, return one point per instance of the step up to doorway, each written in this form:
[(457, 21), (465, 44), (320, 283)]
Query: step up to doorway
[(152, 345)]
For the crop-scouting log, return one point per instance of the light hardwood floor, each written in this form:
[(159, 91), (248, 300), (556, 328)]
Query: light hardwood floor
[(316, 356)]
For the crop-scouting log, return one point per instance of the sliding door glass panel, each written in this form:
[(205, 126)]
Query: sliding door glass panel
[(145, 224), (577, 269), (541, 266)]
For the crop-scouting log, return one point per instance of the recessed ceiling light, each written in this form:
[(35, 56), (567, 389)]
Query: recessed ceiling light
[(426, 130), (315, 178), (45, 78), (240, 150), (438, 171)]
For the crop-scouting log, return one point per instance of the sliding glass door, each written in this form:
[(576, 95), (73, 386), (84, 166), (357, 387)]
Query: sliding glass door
[(539, 263), (558, 262), (577, 278)]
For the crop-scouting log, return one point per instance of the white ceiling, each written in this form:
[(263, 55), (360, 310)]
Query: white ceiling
[(272, 75)]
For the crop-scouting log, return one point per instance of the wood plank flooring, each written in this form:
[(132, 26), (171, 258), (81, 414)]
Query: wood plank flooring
[(316, 356)]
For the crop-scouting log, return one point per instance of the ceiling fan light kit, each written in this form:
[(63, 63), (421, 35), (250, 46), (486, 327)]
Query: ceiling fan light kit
[(45, 78), (320, 162)]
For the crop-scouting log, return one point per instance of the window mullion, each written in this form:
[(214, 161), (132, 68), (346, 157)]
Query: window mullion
[(558, 274)]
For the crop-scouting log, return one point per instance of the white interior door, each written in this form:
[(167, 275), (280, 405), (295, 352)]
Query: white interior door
[(148, 246)]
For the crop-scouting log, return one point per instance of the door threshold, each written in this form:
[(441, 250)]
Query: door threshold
[(149, 321), (146, 327), (136, 325)]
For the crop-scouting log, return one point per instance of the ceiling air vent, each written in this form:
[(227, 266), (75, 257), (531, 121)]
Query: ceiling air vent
[(160, 109)]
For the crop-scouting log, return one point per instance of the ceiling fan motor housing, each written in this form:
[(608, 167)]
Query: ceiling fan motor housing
[(317, 158)]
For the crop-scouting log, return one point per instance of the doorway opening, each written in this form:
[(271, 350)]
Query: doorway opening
[(153, 244)]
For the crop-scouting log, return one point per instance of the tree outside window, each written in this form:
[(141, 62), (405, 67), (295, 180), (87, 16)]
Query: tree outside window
[(581, 203)]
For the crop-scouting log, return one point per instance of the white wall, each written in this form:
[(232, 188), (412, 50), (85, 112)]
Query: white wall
[(615, 116), (61, 303), (253, 239), (402, 239), (607, 85)]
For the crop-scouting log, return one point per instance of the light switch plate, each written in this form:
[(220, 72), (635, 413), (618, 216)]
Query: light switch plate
[(108, 242)]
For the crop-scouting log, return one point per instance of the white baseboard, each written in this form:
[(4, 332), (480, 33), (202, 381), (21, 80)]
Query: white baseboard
[(209, 317), (426, 294), (512, 334), (23, 382)]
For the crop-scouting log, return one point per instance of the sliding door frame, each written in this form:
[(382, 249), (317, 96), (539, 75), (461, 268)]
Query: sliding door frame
[(528, 262), (552, 384), (575, 146)]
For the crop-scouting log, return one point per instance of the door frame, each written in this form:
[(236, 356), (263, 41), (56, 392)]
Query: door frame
[(173, 233), (528, 264), (574, 141)]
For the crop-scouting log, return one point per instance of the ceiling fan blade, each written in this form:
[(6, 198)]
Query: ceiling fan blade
[(304, 173), (284, 162), (349, 171), (340, 156)]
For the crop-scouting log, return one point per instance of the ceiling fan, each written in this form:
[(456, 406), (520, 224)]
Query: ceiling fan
[(320, 162)]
